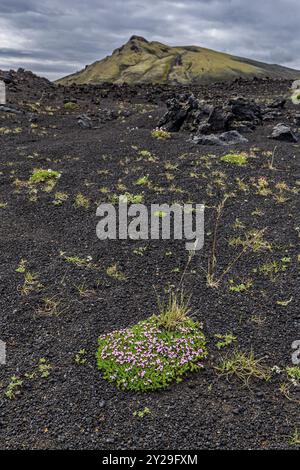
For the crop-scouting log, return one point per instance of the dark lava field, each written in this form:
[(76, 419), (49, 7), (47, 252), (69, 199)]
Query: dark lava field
[(61, 287)]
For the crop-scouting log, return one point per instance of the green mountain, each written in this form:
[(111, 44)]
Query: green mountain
[(140, 61)]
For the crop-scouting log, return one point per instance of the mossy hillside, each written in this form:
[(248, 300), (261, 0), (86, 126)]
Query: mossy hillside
[(140, 61)]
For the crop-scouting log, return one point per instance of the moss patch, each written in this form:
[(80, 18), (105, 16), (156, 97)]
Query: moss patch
[(239, 159), (70, 106), (41, 176)]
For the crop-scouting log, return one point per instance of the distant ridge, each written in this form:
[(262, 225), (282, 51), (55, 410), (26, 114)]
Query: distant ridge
[(141, 61)]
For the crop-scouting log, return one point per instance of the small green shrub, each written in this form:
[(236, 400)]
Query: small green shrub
[(254, 239), (148, 357)]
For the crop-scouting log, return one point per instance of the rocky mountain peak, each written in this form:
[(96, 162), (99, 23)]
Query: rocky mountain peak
[(135, 38)]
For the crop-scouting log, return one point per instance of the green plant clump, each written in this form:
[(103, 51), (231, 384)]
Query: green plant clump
[(127, 197), (142, 413), (225, 340), (41, 176), (239, 159), (70, 105), (148, 357), (273, 268), (160, 134), (13, 389), (293, 372), (295, 438), (244, 367)]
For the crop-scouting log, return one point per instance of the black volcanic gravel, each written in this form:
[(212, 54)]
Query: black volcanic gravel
[(74, 408)]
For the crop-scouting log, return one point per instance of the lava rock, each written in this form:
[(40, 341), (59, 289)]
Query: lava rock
[(220, 119), (245, 110), (242, 127), (106, 115), (84, 122), (33, 118), (226, 138), (279, 102), (185, 112), (297, 119), (179, 110), (284, 133), (7, 78), (296, 85), (9, 109), (271, 115)]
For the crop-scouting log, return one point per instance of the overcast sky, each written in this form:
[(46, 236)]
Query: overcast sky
[(56, 37)]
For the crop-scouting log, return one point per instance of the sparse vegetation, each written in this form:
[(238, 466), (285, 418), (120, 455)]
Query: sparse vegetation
[(174, 312), (80, 357), (51, 307), (253, 241), (31, 283), (81, 201), (114, 272), (240, 287), (131, 198), (225, 340), (295, 438), (44, 368), (22, 266), (14, 388), (8, 131), (142, 413), (243, 366), (272, 269), (81, 262), (60, 198)]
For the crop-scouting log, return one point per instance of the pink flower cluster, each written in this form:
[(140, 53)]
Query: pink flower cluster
[(147, 353)]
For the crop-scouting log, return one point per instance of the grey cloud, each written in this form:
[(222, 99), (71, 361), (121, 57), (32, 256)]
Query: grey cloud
[(57, 37)]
